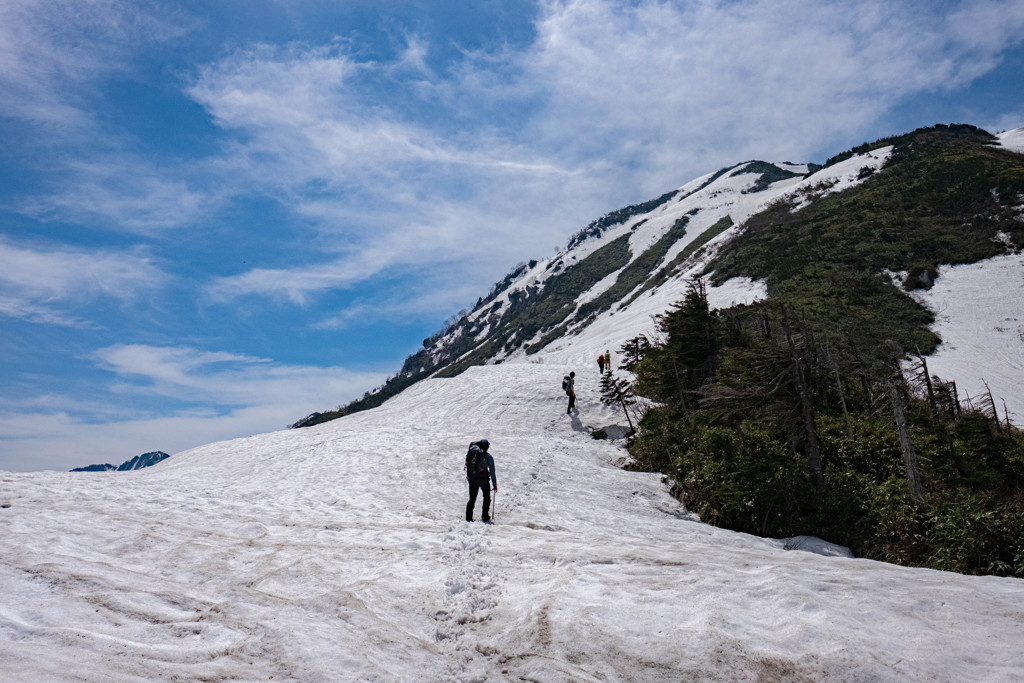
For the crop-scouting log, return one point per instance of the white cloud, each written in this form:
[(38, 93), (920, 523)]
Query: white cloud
[(433, 301), (295, 284), (398, 165), (120, 191), (52, 52), (221, 378), (55, 56), (36, 441), (662, 84), (36, 284)]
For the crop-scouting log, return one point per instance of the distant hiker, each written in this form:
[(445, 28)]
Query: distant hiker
[(569, 386), (608, 359), (480, 464), (600, 363)]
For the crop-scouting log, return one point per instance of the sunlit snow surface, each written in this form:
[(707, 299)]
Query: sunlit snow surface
[(1012, 140), (338, 553), (979, 310)]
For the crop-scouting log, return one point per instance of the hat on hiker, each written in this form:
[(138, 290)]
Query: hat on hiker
[(484, 443)]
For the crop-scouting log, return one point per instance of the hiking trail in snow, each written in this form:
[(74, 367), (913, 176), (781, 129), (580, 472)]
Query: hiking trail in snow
[(338, 552)]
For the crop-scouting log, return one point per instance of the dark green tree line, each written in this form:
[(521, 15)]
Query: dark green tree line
[(775, 420)]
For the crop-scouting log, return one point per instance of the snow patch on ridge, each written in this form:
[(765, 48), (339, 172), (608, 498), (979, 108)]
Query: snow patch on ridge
[(979, 314), (1012, 140), (840, 176), (736, 291)]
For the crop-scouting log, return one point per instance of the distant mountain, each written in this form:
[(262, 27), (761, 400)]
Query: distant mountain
[(136, 463), (855, 235)]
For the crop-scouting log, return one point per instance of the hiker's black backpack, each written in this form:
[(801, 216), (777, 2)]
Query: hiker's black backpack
[(565, 383), (476, 460)]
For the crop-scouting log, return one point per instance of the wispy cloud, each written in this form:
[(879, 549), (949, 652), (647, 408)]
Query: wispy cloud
[(60, 440), (119, 191), (219, 395), (225, 379), (55, 57), (293, 284), (616, 101), (40, 285), (663, 85), (434, 301), (52, 52)]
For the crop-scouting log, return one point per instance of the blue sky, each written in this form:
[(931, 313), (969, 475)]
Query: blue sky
[(216, 217)]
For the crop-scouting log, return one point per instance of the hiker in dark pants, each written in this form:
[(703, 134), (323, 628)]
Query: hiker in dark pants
[(570, 391), (600, 363), (480, 468)]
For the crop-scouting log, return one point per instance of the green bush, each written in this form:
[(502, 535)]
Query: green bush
[(741, 479)]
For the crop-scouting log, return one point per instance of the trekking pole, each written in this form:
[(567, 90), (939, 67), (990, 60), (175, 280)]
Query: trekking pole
[(494, 505)]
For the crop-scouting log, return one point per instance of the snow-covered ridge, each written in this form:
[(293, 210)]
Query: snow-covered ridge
[(733, 194)]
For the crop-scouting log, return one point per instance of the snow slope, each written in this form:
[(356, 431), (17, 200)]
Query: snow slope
[(337, 553), (979, 311), (733, 194), (1012, 140)]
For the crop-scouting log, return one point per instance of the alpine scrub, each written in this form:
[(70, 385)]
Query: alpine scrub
[(741, 414)]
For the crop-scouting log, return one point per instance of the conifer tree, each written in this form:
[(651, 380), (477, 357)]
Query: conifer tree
[(617, 390)]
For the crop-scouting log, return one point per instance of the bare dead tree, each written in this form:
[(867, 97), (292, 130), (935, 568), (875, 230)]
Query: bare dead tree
[(806, 407), (910, 463), (839, 386), (892, 388), (927, 380), (617, 390), (990, 409)]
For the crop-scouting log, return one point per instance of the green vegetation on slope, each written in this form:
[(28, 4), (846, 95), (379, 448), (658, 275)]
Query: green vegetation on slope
[(798, 415), (943, 198), (673, 266), (746, 395), (636, 272)]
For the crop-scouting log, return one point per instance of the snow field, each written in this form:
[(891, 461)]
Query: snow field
[(1012, 140), (979, 311), (338, 552)]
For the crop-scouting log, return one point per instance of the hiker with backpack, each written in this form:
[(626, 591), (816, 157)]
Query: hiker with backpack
[(569, 387), (480, 469), (600, 363)]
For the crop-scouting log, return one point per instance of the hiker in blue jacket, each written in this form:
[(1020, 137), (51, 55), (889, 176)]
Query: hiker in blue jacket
[(480, 468)]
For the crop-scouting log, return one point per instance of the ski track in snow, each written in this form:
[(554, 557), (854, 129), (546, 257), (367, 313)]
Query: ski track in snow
[(338, 552)]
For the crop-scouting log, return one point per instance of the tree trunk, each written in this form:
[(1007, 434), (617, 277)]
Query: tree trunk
[(806, 409), (679, 383), (992, 406), (622, 401), (906, 445), (927, 381), (839, 386)]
